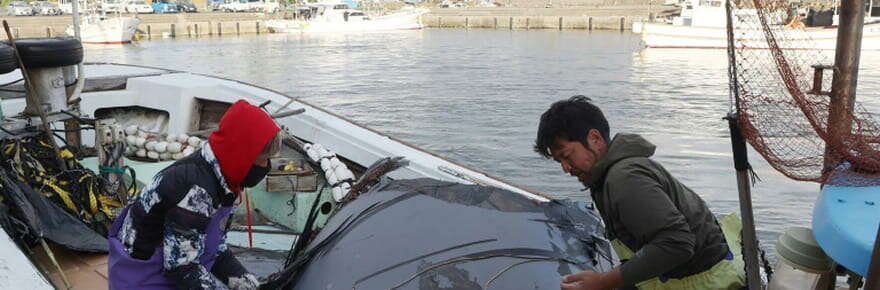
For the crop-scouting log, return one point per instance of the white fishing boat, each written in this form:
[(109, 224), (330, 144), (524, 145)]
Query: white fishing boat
[(99, 27), (703, 25), (332, 18), (166, 103)]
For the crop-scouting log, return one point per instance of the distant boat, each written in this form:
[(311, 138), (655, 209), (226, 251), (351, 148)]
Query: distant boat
[(339, 17), (703, 25), (100, 28)]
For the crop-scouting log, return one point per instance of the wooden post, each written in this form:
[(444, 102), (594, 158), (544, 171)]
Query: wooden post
[(622, 24), (467, 23), (560, 23), (238, 28), (511, 22), (48, 31), (496, 22), (219, 29), (73, 134), (173, 31), (846, 75), (149, 32), (197, 29), (258, 26), (590, 24)]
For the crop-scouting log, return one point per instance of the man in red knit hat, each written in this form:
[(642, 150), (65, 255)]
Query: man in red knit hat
[(171, 235)]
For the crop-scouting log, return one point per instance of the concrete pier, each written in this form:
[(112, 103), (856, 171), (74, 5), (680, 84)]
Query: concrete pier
[(599, 18), (152, 26), (155, 26)]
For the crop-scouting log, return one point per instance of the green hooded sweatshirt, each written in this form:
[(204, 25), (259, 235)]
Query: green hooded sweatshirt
[(669, 227)]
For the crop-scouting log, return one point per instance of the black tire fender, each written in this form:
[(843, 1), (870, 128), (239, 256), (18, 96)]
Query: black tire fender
[(49, 52), (8, 63)]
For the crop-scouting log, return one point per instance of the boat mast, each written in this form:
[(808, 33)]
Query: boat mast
[(75, 7)]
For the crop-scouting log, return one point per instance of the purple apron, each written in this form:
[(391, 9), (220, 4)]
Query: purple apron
[(129, 273)]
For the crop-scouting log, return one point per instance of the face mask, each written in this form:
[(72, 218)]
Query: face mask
[(255, 175)]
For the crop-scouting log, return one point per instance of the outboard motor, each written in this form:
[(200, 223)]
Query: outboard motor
[(50, 64)]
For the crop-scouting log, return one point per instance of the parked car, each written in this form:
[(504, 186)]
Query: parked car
[(137, 6), (111, 6), (235, 6), (45, 8), (165, 6), (19, 8), (186, 6)]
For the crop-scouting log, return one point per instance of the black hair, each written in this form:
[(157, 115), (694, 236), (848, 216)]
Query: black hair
[(571, 119)]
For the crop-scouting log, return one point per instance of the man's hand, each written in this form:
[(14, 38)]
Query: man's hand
[(590, 280), (586, 280)]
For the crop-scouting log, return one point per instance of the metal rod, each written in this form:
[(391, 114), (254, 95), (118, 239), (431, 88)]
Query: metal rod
[(32, 95), (55, 263), (76, 21), (749, 239), (846, 75), (872, 281)]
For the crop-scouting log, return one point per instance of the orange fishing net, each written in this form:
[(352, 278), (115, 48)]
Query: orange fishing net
[(782, 111)]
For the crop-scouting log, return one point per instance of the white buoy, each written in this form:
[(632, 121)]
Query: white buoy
[(337, 194), (153, 155), (150, 145), (331, 177), (165, 156), (335, 163), (140, 153), (131, 130), (140, 142), (131, 140), (341, 173), (177, 156), (171, 138), (194, 141), (160, 147), (188, 150), (174, 147), (325, 165), (182, 138)]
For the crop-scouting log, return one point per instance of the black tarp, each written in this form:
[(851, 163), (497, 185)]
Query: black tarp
[(47, 219), (429, 234)]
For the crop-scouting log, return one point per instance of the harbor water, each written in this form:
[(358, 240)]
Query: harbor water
[(475, 96)]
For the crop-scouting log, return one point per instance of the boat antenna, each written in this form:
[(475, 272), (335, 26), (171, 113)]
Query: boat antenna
[(74, 4)]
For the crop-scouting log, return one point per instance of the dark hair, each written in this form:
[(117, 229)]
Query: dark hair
[(571, 119)]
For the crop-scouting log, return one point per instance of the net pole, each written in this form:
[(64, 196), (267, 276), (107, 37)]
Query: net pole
[(749, 237), (846, 75)]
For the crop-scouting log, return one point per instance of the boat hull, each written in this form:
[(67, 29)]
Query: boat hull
[(118, 30), (658, 35)]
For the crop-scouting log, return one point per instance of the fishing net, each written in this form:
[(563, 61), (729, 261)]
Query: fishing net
[(781, 78), (79, 191)]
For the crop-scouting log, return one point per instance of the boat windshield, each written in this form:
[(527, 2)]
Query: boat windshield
[(138, 2), (18, 4)]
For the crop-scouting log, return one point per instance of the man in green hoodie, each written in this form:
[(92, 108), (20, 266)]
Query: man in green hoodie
[(663, 232)]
